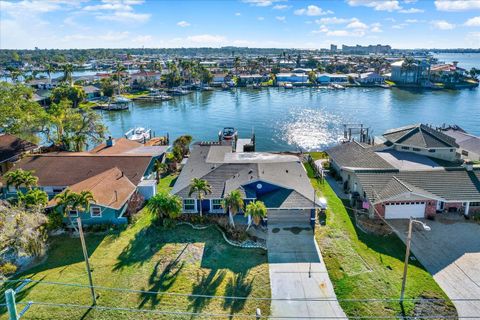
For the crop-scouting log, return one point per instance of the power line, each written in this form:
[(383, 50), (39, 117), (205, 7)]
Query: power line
[(216, 315), (325, 299)]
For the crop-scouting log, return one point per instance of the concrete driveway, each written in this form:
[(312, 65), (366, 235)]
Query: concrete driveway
[(297, 271), (451, 253)]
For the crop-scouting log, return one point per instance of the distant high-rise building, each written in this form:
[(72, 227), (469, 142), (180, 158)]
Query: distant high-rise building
[(333, 47), (366, 49)]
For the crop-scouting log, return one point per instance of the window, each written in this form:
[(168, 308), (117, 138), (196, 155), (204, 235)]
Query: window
[(416, 149), (405, 148), (474, 204), (48, 189), (217, 204), (12, 189), (57, 190), (432, 150), (95, 212), (73, 213), (189, 204), (451, 150), (464, 153)]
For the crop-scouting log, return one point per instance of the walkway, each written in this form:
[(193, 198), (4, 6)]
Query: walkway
[(298, 272)]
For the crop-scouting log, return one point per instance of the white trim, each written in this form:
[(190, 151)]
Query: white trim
[(91, 212), (195, 209), (221, 210), (73, 215)]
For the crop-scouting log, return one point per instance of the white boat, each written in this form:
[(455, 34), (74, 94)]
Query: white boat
[(139, 134), (120, 99), (288, 85)]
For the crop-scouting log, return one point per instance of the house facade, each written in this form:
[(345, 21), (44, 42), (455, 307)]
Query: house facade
[(416, 172), (114, 172), (12, 149), (280, 181)]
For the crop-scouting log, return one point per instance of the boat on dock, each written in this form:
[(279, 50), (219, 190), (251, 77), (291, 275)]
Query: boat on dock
[(154, 96), (288, 85), (139, 134), (228, 133), (178, 92), (337, 86)]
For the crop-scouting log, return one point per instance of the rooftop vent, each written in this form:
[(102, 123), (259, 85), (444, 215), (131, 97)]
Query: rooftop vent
[(110, 142)]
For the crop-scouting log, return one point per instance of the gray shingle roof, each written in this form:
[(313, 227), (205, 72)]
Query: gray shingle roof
[(450, 185), (231, 173), (357, 155), (420, 136)]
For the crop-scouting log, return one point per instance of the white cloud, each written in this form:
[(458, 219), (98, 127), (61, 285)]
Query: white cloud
[(312, 10), (183, 24), (411, 21), (238, 14), (356, 24), (281, 19), (206, 39), (280, 7), (261, 3), (346, 33), (331, 20), (260, 18), (399, 26), (379, 5), (442, 25), (473, 22), (125, 16), (473, 39), (376, 27), (411, 10), (457, 5), (390, 19)]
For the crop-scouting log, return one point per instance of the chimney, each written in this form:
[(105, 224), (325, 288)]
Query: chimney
[(110, 142)]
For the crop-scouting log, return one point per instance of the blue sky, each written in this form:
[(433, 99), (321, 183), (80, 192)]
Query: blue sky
[(253, 23)]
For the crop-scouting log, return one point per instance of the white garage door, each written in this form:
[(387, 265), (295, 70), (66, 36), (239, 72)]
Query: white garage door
[(405, 210)]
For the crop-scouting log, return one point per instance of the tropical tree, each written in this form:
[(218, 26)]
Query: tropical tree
[(21, 177), (159, 168), (106, 85), (233, 202), (69, 200), (33, 198), (202, 188), (75, 94), (120, 68), (49, 69), (165, 205), (312, 77), (68, 73), (255, 212)]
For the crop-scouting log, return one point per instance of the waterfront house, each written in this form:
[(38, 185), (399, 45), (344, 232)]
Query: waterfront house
[(12, 148), (410, 72), (415, 172), (92, 92), (370, 78), (109, 171), (300, 78), (326, 78), (468, 144), (246, 79), (279, 180)]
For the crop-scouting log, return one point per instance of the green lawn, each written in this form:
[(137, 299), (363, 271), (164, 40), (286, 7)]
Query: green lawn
[(166, 183), (366, 266), (147, 257)]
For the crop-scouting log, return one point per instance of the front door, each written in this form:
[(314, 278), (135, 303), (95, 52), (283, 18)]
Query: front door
[(440, 205)]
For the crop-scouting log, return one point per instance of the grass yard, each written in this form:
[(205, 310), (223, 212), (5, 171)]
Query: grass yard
[(366, 266), (166, 182), (150, 258)]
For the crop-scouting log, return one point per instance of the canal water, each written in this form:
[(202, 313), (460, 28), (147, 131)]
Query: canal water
[(299, 118)]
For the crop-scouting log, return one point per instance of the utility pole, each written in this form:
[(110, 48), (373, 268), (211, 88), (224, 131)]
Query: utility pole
[(85, 254)]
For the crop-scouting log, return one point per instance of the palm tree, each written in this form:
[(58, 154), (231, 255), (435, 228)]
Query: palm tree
[(165, 205), (233, 202), (255, 211), (67, 73), (159, 168), (69, 200), (49, 69), (33, 198), (201, 187), (21, 177), (118, 70)]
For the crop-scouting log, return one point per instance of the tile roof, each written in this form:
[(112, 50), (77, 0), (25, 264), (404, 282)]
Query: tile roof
[(110, 188), (11, 147), (449, 184), (66, 169), (356, 155), (421, 136)]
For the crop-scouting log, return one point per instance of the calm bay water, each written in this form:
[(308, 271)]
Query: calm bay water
[(305, 118)]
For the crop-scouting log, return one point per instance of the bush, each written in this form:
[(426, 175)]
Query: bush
[(55, 220), (7, 269)]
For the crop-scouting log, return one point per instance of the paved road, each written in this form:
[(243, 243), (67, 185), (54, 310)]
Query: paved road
[(451, 253), (297, 271)]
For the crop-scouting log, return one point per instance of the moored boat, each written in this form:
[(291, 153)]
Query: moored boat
[(228, 133), (139, 134)]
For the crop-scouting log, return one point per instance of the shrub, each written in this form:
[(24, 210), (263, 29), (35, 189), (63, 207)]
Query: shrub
[(55, 220), (7, 269)]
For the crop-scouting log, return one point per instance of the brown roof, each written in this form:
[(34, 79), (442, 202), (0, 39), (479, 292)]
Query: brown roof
[(66, 169), (110, 188), (121, 145), (12, 147)]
